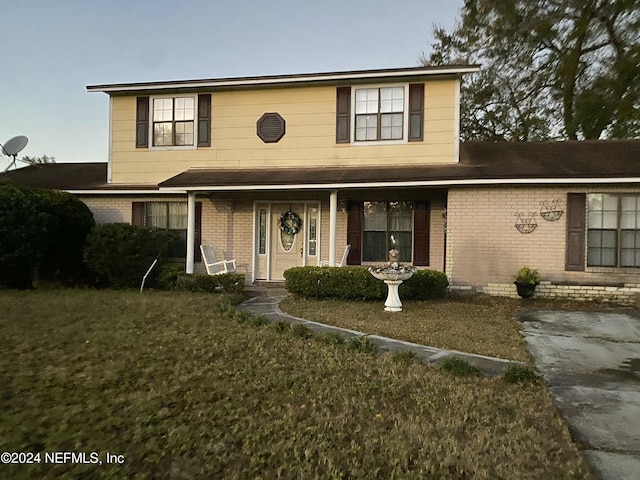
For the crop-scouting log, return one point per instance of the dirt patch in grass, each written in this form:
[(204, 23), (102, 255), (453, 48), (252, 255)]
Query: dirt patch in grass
[(483, 325), (184, 386)]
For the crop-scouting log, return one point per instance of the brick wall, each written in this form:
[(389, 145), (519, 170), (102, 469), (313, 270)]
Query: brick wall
[(109, 209), (485, 249), (228, 226), (626, 294)]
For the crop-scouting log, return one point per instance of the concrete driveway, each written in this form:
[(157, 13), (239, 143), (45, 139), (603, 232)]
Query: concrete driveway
[(591, 362)]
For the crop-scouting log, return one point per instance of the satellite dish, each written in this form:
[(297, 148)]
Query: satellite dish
[(13, 146)]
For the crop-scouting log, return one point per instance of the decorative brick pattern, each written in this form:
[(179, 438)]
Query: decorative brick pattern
[(625, 294)]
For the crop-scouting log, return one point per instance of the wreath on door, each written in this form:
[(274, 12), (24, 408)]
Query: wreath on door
[(290, 223)]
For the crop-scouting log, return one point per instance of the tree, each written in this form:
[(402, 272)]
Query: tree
[(566, 69), (38, 160)]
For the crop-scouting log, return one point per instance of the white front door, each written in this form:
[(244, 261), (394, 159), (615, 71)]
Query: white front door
[(287, 249), (287, 237)]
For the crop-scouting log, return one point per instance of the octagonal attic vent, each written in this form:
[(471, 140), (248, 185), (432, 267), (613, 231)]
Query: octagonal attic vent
[(271, 127)]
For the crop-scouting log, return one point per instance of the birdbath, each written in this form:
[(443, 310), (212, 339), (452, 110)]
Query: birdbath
[(393, 274)]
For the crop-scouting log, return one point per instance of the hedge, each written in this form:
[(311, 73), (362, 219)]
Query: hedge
[(42, 235), (173, 277), (120, 254), (356, 283)]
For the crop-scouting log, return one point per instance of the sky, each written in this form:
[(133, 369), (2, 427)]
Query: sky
[(50, 50)]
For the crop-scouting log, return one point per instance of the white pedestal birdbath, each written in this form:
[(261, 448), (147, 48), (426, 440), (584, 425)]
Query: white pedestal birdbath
[(393, 275)]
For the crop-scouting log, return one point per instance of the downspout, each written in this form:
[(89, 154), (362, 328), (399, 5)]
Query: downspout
[(191, 230), (333, 226)]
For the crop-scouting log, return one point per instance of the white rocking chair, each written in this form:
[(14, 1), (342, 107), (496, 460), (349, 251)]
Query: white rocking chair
[(343, 262), (215, 267)]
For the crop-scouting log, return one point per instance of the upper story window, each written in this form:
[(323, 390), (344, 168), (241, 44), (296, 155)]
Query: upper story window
[(379, 114), (173, 121), (393, 113), (180, 121)]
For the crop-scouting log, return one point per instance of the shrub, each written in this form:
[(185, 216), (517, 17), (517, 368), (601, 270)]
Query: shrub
[(18, 227), (356, 283), (425, 285), (67, 223), (232, 283), (167, 276), (459, 367), (120, 254), (42, 235), (345, 283)]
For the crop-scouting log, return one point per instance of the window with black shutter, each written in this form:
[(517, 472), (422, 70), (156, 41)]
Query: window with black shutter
[(177, 121), (375, 227), (170, 216)]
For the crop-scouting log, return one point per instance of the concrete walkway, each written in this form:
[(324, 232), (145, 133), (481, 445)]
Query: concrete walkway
[(591, 362), (266, 305)]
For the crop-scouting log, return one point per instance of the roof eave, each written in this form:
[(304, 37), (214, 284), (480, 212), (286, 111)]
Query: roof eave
[(406, 184), (284, 80)]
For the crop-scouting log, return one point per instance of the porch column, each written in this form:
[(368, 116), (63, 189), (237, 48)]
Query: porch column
[(333, 226), (191, 229)]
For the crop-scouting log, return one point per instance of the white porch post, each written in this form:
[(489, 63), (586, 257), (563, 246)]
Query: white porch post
[(333, 226), (191, 229)]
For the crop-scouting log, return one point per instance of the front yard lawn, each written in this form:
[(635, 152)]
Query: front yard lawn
[(480, 324), (183, 386)]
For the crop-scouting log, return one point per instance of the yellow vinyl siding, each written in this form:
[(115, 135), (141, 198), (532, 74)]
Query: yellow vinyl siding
[(310, 118)]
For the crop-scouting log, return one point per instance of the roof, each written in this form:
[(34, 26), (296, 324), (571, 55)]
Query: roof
[(480, 163), (356, 76), (67, 176)]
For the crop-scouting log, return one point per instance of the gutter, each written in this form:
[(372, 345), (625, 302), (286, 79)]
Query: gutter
[(424, 183), (283, 79)]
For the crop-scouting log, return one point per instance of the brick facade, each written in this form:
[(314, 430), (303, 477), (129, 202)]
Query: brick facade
[(227, 224), (485, 249), (485, 243)]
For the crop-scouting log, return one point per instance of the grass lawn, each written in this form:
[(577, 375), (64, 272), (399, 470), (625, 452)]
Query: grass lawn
[(184, 387), (481, 324), (476, 324)]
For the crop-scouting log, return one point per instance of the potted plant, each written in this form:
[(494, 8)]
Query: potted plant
[(526, 282)]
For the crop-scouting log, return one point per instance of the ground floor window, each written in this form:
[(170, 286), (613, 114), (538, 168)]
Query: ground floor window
[(169, 216), (613, 230), (387, 225)]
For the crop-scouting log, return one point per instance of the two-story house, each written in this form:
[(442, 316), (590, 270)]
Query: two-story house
[(284, 171)]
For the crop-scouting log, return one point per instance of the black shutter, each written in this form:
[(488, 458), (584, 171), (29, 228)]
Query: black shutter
[(416, 112), (204, 120), (142, 122), (343, 115), (137, 214), (354, 232), (421, 234), (576, 223)]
